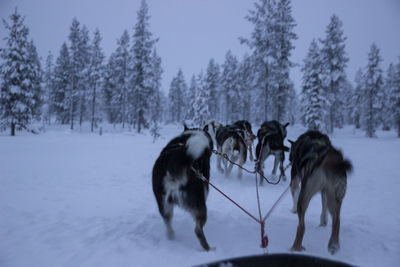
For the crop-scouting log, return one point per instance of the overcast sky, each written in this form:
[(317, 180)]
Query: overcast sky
[(191, 32)]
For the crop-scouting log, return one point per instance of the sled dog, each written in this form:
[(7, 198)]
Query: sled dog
[(271, 136), (318, 167), (233, 140), (176, 179)]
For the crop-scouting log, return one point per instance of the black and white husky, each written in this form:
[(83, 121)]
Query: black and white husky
[(271, 136), (319, 167), (233, 140), (176, 180)]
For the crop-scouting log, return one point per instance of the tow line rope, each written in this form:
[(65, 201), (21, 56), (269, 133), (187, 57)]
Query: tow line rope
[(261, 220)]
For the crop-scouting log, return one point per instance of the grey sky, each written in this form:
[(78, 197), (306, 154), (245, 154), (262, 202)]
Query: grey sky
[(193, 31)]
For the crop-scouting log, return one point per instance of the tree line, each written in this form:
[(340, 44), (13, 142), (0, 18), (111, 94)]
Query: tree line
[(81, 85)]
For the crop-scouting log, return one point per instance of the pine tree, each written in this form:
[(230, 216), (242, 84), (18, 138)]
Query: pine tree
[(271, 43), (358, 99), (60, 95), (211, 83), (191, 98), (48, 80), (35, 74), (155, 98), (75, 70), (229, 87), (246, 87), (284, 37), (84, 81), (373, 91), (388, 100), (177, 97), (346, 98), (201, 111), (110, 89), (141, 73), (335, 59), (293, 106), (20, 78), (313, 96), (155, 95), (264, 50), (96, 69), (123, 94), (395, 99)]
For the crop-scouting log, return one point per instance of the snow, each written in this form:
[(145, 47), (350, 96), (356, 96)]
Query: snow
[(80, 199)]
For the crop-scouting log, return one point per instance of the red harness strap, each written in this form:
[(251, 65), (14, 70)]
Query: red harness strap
[(261, 221)]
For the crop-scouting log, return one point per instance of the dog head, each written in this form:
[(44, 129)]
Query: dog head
[(211, 126), (248, 133), (275, 133), (283, 129)]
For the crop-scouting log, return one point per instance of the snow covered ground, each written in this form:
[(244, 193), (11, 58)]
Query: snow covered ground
[(80, 199)]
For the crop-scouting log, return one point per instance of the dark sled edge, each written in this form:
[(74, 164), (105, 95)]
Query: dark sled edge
[(277, 260)]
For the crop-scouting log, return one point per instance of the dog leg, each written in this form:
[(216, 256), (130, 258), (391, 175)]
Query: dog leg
[(167, 213), (276, 163), (234, 158), (242, 160), (251, 152), (226, 149), (304, 200), (263, 157), (295, 190), (334, 209), (201, 218), (297, 245), (281, 168), (219, 158), (324, 215)]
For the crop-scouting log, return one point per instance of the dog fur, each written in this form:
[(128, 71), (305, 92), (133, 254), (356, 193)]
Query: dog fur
[(211, 128), (271, 136), (232, 140), (318, 167), (176, 181)]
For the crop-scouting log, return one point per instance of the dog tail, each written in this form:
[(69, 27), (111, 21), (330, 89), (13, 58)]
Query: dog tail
[(336, 164), (197, 144), (344, 166)]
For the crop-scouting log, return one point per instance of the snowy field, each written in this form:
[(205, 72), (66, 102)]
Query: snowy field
[(80, 199)]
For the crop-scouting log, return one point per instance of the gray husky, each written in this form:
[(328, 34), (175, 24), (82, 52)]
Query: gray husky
[(319, 167)]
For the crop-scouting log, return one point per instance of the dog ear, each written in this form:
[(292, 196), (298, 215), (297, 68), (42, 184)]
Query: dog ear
[(286, 125), (291, 142), (285, 148), (185, 128)]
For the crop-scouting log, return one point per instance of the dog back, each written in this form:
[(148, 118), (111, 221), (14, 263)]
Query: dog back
[(312, 149)]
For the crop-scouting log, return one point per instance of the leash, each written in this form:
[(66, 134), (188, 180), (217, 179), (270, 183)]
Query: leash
[(256, 162), (204, 179), (261, 220)]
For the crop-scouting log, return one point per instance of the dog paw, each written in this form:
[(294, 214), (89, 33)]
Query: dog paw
[(297, 248), (333, 247), (283, 177), (170, 235), (323, 223), (294, 210)]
